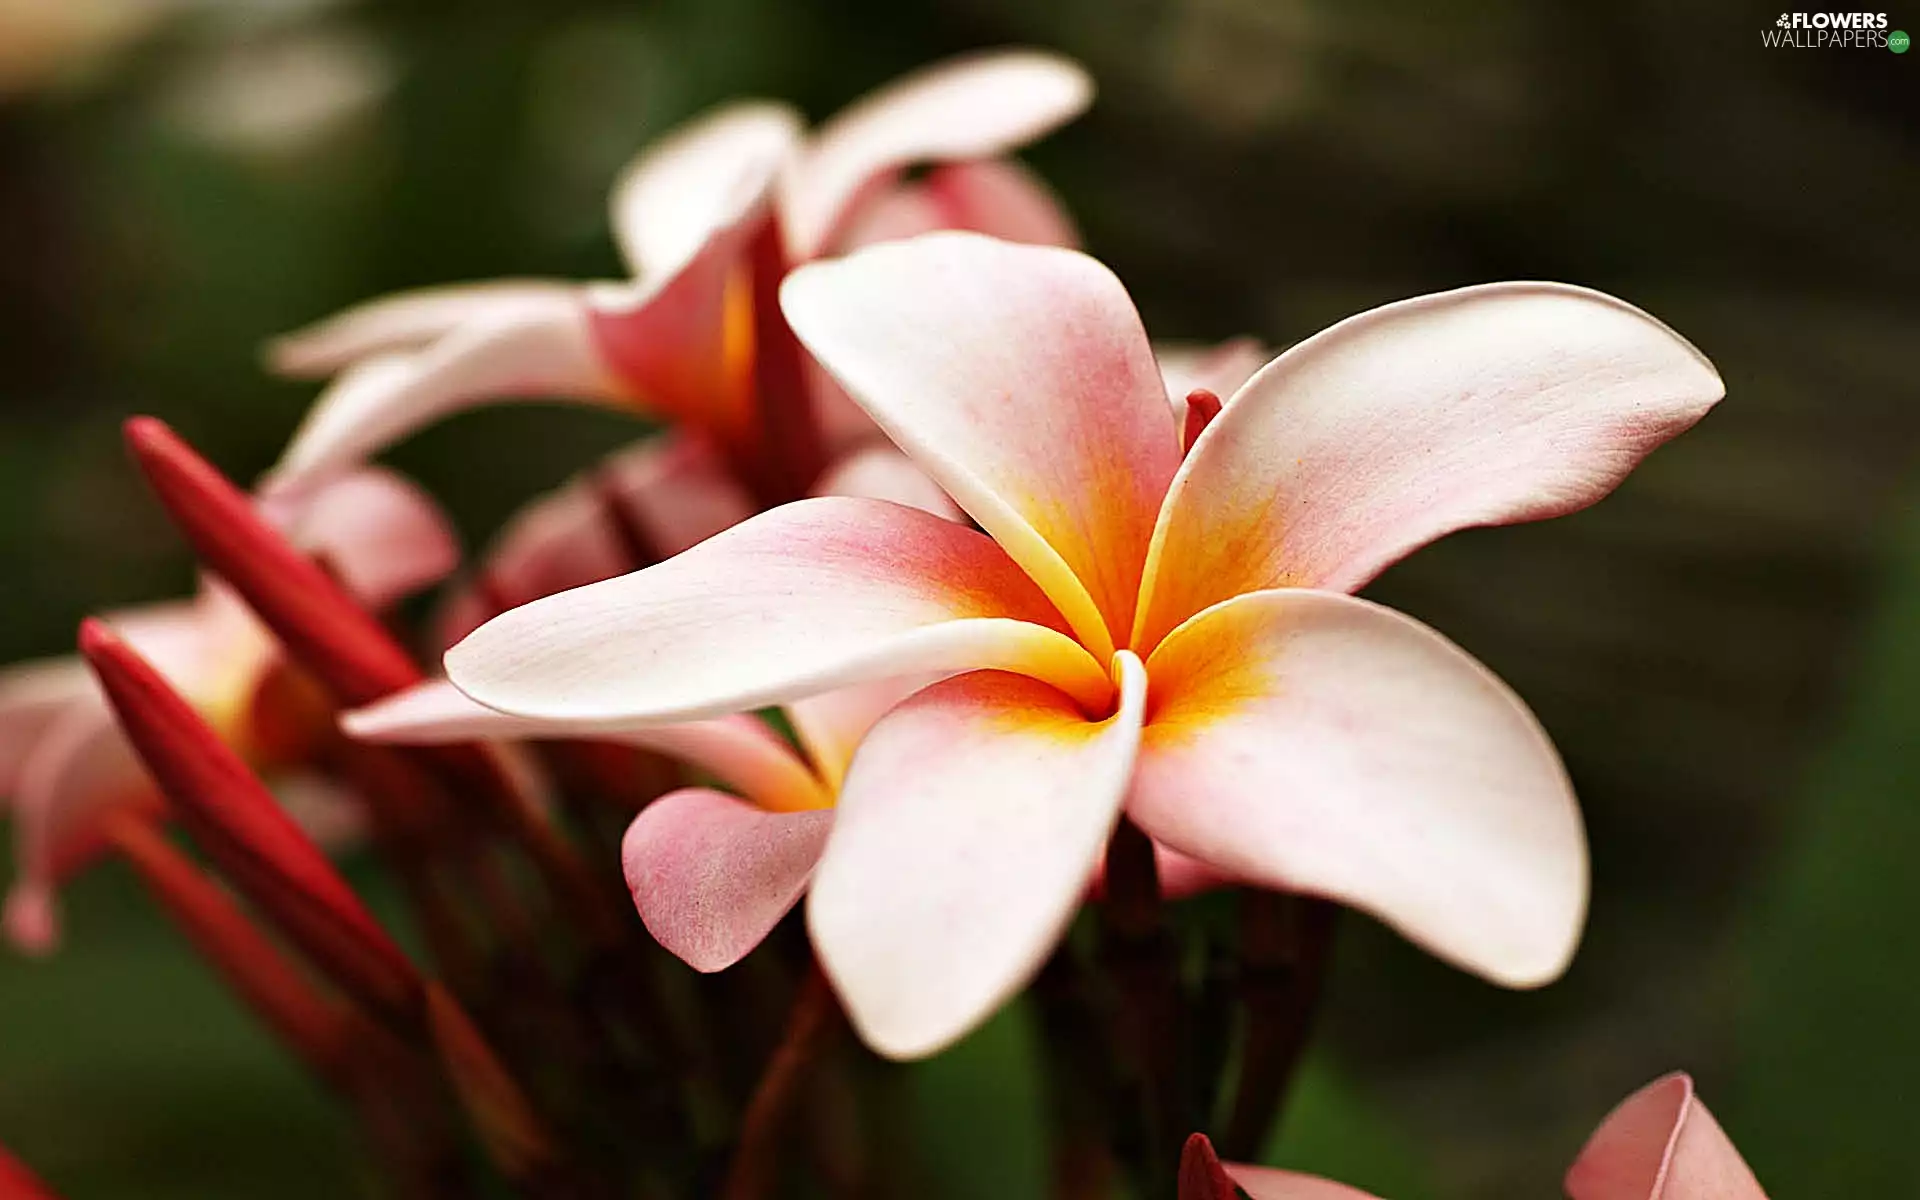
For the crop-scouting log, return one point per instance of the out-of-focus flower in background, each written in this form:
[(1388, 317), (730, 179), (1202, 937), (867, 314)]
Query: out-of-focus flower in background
[(708, 221), (64, 762)]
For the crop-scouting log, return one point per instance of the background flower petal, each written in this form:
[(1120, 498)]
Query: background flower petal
[(978, 106), (381, 534), (808, 597), (405, 321), (539, 351), (971, 820), (673, 490), (675, 194), (1313, 742), (712, 875), (1661, 1143), (1482, 406), (1020, 379)]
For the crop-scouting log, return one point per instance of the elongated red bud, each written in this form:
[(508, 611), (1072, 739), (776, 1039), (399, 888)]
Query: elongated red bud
[(18, 1183), (237, 822), (511, 1132), (312, 1027), (1201, 1175), (1202, 407), (322, 627)]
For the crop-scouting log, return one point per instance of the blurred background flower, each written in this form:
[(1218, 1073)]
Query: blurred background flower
[(1727, 652)]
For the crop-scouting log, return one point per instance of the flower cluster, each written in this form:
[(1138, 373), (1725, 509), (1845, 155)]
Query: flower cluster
[(942, 600)]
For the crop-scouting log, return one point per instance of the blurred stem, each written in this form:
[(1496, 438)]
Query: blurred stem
[(1284, 941), (1079, 1078), (1137, 952), (812, 1026)]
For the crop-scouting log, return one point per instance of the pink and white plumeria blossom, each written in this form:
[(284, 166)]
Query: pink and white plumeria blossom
[(712, 871), (63, 760), (1661, 1143), (694, 217), (1134, 631)]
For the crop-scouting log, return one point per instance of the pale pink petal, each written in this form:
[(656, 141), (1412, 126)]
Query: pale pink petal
[(672, 492), (406, 321), (379, 533), (201, 645), (800, 600), (32, 696), (903, 210), (1002, 198), (998, 197), (1483, 406), (969, 824), (1312, 742), (80, 768), (537, 352), (883, 473), (712, 875), (681, 189), (1661, 1143), (1019, 378), (1221, 369), (739, 751), (980, 106), (1271, 1183), (334, 816)]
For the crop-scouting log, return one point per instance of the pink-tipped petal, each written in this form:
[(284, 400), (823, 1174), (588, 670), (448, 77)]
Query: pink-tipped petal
[(32, 696), (969, 825), (380, 534), (883, 473), (79, 769), (1002, 198), (800, 600), (405, 321), (998, 197), (712, 875), (1482, 406), (1661, 1143), (1272, 1183), (543, 351), (1020, 379), (674, 196), (739, 751), (1313, 742), (979, 106)]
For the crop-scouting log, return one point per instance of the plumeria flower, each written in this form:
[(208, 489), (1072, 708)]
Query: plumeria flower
[(1661, 1143), (1132, 631), (63, 760), (708, 221)]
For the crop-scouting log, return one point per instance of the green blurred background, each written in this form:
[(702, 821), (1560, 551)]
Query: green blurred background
[(1727, 652)]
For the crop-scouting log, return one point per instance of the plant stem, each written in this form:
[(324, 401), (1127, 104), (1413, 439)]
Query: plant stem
[(1284, 941), (812, 1025)]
